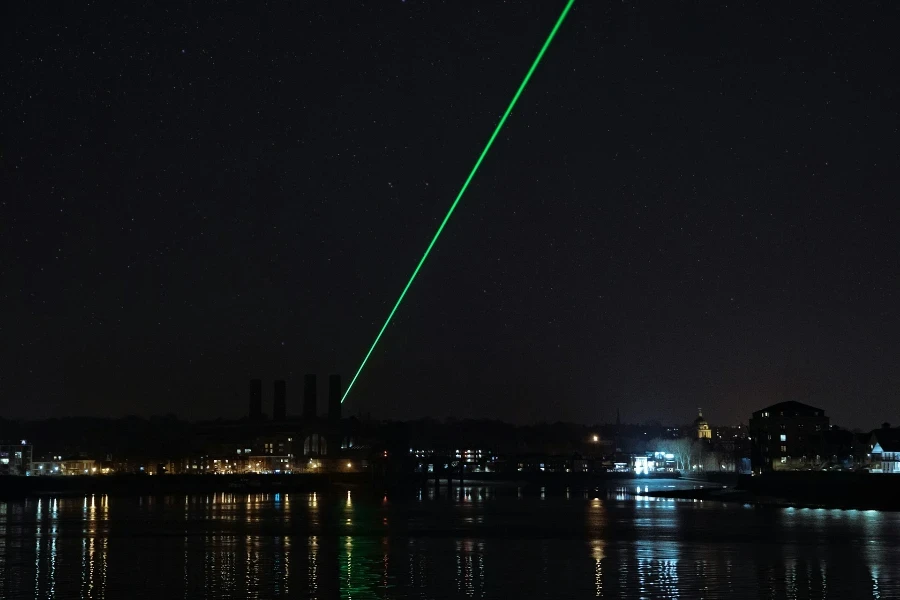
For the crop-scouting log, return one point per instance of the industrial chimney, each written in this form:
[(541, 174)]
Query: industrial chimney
[(309, 397), (256, 399), (334, 398), (279, 401)]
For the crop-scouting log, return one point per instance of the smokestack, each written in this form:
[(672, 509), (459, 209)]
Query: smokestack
[(309, 397), (256, 399), (334, 398), (279, 401)]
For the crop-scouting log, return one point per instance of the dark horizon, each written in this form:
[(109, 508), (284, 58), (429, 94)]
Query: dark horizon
[(691, 206), (268, 417)]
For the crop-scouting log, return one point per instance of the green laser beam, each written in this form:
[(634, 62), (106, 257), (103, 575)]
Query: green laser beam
[(462, 190)]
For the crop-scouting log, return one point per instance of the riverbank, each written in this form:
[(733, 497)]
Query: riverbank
[(122, 485), (807, 489), (75, 485), (722, 494)]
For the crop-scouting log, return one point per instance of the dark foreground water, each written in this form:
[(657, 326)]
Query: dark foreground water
[(489, 543)]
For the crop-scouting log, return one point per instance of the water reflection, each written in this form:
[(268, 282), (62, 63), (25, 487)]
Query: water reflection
[(470, 567), (313, 566), (597, 555), (595, 524), (657, 570), (359, 567), (94, 548), (472, 542)]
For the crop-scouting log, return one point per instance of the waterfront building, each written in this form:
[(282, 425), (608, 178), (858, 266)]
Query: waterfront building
[(885, 450), (15, 458), (79, 466), (787, 436), (269, 464), (46, 467)]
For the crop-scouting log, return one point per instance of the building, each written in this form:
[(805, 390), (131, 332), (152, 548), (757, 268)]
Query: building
[(729, 433), (701, 427), (654, 462), (270, 464), (256, 399), (310, 397), (47, 467), (885, 450), (15, 458), (79, 466), (279, 400), (843, 450), (787, 436), (334, 398)]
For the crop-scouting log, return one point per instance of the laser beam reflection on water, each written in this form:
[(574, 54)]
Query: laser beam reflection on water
[(462, 190)]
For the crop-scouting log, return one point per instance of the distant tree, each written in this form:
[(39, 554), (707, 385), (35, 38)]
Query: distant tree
[(659, 444), (712, 460), (682, 449)]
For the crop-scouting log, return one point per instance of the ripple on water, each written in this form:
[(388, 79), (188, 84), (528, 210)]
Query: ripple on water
[(481, 543)]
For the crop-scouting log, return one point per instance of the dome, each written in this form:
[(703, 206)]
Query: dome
[(700, 421), (702, 427)]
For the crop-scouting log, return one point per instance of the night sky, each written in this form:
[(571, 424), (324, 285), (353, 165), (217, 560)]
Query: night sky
[(693, 205)]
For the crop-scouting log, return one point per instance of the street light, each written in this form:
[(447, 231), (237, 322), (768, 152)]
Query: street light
[(596, 438)]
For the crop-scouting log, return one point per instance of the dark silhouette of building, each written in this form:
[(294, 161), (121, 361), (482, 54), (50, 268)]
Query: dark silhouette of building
[(842, 450), (787, 436), (256, 399), (279, 401), (618, 434), (309, 397), (334, 398)]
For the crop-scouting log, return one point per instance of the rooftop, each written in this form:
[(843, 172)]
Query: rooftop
[(790, 408)]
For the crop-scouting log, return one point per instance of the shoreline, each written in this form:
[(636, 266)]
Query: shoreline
[(17, 487), (733, 495)]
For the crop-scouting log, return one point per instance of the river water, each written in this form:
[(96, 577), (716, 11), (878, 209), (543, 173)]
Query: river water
[(488, 542)]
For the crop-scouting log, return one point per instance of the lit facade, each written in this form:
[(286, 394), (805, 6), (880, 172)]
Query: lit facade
[(701, 427), (884, 455), (48, 467), (270, 464), (885, 461), (79, 466)]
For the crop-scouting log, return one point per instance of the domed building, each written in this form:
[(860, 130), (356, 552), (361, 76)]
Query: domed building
[(702, 427)]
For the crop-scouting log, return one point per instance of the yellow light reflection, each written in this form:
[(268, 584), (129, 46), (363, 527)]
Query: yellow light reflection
[(597, 553), (313, 569)]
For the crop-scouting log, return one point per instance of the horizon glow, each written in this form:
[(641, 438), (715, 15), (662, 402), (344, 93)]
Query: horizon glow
[(462, 190)]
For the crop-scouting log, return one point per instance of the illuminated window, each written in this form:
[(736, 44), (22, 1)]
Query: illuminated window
[(783, 438), (784, 448)]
